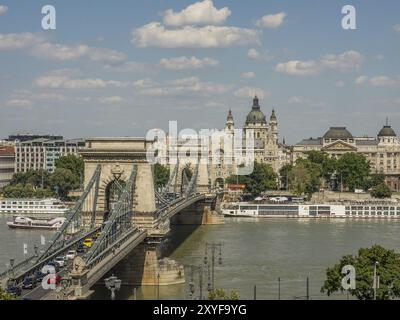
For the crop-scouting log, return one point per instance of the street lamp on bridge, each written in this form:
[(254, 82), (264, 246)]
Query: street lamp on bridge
[(113, 284)]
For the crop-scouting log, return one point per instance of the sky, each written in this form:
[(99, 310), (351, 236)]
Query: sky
[(121, 68)]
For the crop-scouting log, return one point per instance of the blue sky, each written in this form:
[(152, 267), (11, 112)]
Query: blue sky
[(120, 68)]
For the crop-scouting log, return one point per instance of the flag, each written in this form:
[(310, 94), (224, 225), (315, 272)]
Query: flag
[(42, 240), (25, 248)]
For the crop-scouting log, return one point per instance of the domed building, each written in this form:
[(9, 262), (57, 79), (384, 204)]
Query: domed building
[(383, 152)]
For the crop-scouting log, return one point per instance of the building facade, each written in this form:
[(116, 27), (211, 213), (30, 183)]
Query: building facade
[(383, 152), (7, 165), (41, 153), (266, 149)]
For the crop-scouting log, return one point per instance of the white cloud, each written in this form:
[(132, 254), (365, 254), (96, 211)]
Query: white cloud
[(250, 92), (181, 63), (361, 80), (272, 21), (3, 9), (12, 41), (181, 87), (396, 28), (65, 52), (379, 81), (157, 36), (253, 54), (345, 62), (110, 100), (385, 81), (128, 66), (301, 100), (62, 82), (19, 103), (248, 75), (299, 68), (199, 13)]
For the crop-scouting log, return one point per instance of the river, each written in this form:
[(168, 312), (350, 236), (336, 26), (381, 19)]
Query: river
[(254, 252)]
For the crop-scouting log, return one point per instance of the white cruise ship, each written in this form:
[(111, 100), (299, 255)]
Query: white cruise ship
[(368, 209), (32, 206)]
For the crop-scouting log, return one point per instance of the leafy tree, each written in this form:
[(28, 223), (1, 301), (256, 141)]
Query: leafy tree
[(73, 163), (299, 179), (374, 180), (326, 164), (353, 169), (63, 181), (26, 191), (381, 191), (388, 269), (36, 178), (284, 173), (6, 296), (161, 175), (262, 178), (220, 294)]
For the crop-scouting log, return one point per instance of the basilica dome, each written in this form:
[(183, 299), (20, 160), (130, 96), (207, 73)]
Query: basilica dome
[(256, 116)]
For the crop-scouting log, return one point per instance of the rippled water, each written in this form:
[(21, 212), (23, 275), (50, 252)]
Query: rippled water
[(255, 252)]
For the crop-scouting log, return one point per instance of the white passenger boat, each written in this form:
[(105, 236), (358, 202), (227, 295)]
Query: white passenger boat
[(20, 222), (369, 209), (32, 206)]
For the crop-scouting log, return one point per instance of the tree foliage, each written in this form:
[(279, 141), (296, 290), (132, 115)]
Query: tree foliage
[(6, 296), (381, 191), (161, 175), (262, 178), (353, 169), (63, 181), (220, 294), (73, 163), (388, 269)]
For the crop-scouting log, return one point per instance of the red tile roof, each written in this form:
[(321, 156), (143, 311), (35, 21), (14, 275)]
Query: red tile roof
[(7, 150)]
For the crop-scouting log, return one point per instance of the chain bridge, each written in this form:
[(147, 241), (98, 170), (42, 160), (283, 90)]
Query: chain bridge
[(120, 209)]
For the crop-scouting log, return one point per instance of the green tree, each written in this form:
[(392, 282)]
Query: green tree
[(220, 294), (381, 191), (326, 165), (6, 296), (354, 170), (299, 179), (262, 178), (374, 180), (36, 178), (63, 180), (284, 173), (388, 269), (161, 175), (73, 163)]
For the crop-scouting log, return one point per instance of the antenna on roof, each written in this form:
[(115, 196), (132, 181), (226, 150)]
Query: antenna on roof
[(387, 121)]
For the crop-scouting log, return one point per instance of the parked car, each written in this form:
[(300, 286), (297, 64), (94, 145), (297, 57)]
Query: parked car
[(29, 283), (60, 260), (14, 290), (39, 276), (88, 242), (81, 248), (71, 254)]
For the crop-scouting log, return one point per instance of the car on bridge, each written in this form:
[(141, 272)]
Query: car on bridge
[(88, 242), (39, 275), (81, 248), (29, 283), (71, 254), (54, 265), (60, 260), (15, 291)]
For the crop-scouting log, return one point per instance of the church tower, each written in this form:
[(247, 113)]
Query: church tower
[(230, 124), (273, 123)]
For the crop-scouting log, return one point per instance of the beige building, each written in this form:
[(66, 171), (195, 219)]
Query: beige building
[(7, 164), (383, 152), (266, 148)]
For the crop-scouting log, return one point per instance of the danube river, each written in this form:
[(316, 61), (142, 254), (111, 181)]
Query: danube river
[(254, 252)]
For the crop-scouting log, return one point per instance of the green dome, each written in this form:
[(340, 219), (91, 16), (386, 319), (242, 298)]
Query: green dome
[(387, 131), (256, 115)]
